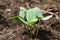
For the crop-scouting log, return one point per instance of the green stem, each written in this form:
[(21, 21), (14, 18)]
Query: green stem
[(36, 32)]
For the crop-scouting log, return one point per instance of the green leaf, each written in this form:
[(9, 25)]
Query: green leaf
[(47, 18), (40, 17), (22, 20), (30, 15), (19, 19), (38, 12), (22, 12), (16, 19), (32, 22)]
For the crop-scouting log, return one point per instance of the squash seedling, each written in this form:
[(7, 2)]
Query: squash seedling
[(30, 17)]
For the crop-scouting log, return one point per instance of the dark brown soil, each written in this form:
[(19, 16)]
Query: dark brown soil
[(15, 31)]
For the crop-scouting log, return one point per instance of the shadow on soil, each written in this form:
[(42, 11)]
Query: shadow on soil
[(42, 35)]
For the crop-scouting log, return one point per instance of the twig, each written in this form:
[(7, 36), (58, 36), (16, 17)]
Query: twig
[(44, 12)]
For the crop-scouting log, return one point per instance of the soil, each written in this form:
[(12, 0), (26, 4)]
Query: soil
[(15, 31)]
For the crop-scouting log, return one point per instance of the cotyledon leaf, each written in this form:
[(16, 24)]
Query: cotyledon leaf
[(32, 22), (22, 12), (47, 17), (16, 19), (30, 15), (19, 19), (38, 12), (22, 20)]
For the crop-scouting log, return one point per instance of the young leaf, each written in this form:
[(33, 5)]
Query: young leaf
[(30, 15), (16, 19), (40, 17), (32, 22), (38, 12), (23, 9), (47, 18), (22, 20), (22, 12)]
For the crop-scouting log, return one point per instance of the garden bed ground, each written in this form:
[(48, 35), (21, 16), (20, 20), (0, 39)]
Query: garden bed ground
[(15, 31)]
